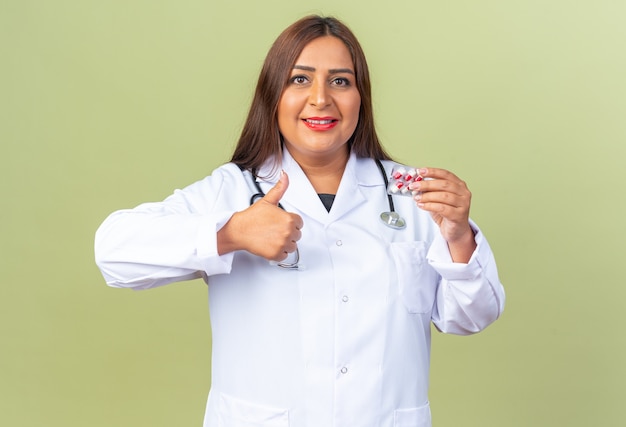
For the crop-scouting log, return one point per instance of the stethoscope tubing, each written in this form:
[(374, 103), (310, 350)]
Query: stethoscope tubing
[(390, 219), (260, 193)]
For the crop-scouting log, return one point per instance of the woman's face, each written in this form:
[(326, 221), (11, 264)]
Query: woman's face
[(319, 109)]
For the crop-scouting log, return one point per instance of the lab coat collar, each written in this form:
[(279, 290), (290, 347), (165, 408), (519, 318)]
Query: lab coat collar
[(301, 195)]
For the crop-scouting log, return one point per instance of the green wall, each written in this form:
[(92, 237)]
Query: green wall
[(106, 104)]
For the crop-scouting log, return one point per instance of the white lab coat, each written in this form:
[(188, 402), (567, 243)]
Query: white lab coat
[(342, 341)]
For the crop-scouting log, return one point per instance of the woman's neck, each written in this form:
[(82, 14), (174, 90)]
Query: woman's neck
[(324, 174)]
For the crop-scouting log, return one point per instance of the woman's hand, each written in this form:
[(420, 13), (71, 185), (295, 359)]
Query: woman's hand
[(263, 229), (448, 200)]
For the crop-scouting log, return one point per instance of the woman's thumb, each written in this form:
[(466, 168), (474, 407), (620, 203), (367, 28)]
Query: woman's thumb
[(276, 193)]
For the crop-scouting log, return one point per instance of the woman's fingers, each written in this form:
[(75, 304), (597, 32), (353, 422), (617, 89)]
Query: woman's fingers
[(447, 198)]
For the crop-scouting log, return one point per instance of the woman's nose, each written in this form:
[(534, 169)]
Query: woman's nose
[(319, 94)]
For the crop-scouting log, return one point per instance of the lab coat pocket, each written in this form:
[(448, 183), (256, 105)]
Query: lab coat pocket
[(413, 417), (416, 280), (235, 412)]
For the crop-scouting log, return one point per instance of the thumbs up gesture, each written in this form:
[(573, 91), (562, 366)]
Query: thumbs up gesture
[(263, 229)]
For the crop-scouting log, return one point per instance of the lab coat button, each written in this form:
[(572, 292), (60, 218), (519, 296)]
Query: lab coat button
[(339, 243), (345, 298), (344, 370)]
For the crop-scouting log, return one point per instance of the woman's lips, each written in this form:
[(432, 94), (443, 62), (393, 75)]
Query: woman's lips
[(320, 123)]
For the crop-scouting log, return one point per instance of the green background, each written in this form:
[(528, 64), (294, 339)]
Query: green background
[(106, 104)]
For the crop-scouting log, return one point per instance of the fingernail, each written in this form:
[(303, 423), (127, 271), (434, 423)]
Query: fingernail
[(423, 171), (417, 196)]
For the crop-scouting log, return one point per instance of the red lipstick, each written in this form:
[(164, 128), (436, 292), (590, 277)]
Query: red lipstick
[(320, 123)]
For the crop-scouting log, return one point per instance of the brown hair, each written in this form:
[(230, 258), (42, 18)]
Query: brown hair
[(260, 138)]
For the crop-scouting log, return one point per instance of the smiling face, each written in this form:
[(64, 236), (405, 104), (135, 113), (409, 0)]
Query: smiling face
[(319, 108)]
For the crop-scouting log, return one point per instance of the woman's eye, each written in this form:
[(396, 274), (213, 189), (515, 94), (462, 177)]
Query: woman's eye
[(341, 81), (299, 80)]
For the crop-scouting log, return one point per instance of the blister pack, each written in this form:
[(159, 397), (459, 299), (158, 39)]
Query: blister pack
[(400, 179)]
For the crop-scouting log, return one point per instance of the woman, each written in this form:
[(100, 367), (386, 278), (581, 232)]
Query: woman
[(340, 336)]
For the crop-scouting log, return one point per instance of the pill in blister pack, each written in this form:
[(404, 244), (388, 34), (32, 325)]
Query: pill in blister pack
[(401, 177)]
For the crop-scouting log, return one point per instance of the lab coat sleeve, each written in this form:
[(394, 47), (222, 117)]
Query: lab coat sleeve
[(158, 243), (470, 296)]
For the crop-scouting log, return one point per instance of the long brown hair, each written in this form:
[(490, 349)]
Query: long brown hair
[(260, 138)]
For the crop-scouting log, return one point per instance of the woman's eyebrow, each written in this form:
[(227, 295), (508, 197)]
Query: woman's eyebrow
[(331, 71)]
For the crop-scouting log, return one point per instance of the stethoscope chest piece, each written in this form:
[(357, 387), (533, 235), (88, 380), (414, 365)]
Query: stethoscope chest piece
[(393, 220)]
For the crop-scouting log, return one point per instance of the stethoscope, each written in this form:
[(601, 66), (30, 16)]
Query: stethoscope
[(390, 218)]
